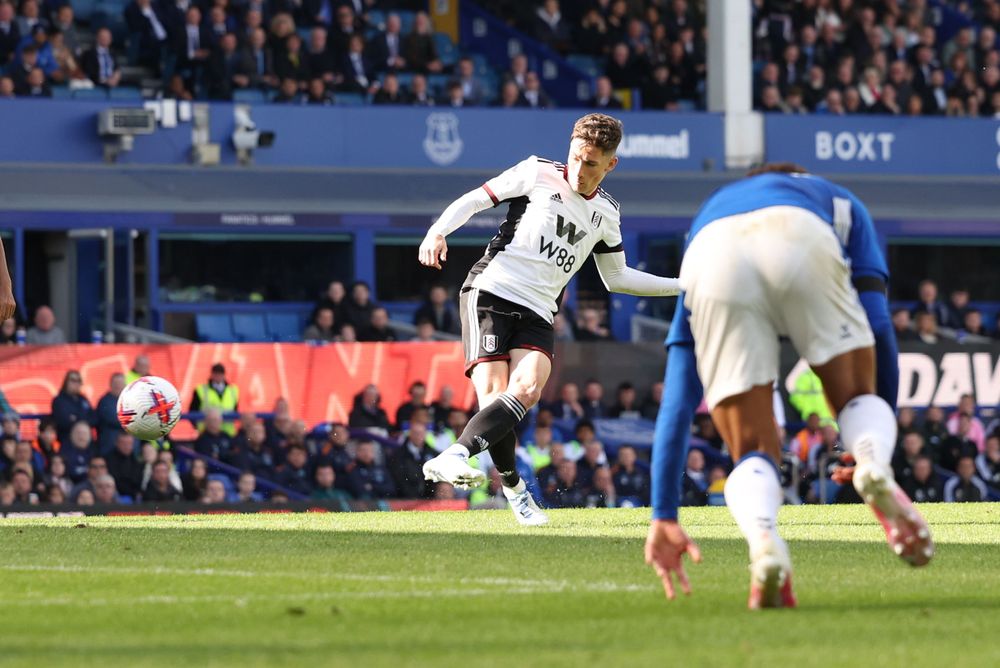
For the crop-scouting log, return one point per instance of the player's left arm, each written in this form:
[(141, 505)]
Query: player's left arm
[(619, 277), (870, 275), (7, 304)]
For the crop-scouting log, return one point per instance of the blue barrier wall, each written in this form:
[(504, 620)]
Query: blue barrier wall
[(885, 145), (368, 137)]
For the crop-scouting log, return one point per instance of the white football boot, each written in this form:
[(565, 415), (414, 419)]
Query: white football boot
[(524, 508), (454, 469), (770, 575), (907, 532)]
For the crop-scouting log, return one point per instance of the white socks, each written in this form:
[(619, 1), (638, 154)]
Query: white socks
[(754, 495), (868, 430), (511, 492), (457, 449)]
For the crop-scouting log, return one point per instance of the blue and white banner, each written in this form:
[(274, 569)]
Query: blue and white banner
[(885, 145), (369, 137)]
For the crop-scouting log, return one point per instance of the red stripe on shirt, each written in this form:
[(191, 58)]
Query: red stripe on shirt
[(489, 192)]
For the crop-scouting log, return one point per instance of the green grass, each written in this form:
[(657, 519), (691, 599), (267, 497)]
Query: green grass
[(446, 589)]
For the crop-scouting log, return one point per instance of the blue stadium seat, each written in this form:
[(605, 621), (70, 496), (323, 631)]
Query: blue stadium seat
[(90, 94), (482, 65), (84, 9), (406, 21), (586, 64), (61, 92), (126, 93), (249, 96), (447, 51), (214, 327), (349, 99), (284, 327), (376, 18), (249, 327), (438, 84)]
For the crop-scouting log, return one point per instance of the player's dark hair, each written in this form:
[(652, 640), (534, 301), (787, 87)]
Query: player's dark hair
[(599, 130), (777, 168)]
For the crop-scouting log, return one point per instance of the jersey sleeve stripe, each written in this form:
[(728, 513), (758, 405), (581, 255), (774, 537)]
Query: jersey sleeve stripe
[(600, 248), (489, 191)]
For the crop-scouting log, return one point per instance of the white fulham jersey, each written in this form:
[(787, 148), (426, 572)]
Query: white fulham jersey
[(549, 233)]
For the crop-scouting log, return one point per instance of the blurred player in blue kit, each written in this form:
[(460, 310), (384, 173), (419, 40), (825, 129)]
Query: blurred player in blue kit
[(780, 253)]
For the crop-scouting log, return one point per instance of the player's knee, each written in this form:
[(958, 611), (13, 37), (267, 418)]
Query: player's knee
[(528, 392)]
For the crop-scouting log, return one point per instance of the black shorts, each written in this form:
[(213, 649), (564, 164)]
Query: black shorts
[(492, 327)]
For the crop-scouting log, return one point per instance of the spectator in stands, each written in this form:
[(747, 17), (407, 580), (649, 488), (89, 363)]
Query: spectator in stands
[(25, 457), (808, 438), (589, 327), (474, 91), (390, 92), (108, 427), (417, 400), (518, 71), (215, 492), (904, 457), (928, 302), (593, 458), (325, 488), (630, 480), (694, 484), (291, 62), (70, 406), (246, 489), (604, 95), (972, 330), (45, 330), (592, 37), (54, 495), (959, 444), (213, 441), (660, 92), (64, 22), (378, 329), (626, 402), (105, 491), (11, 422), (294, 474), (46, 442), (386, 48), (159, 487), (217, 393), (359, 75), (322, 328), (510, 96), (334, 299), (419, 49), (923, 485), (562, 491), (425, 332), (602, 493), (988, 461), (56, 477), (593, 400), (29, 16), (454, 97), (976, 432), (419, 95), (439, 310), (320, 60), (903, 326), (651, 405), (288, 92), (148, 36), (317, 93), (927, 329), (256, 454), (347, 26), (23, 484), (192, 46), (124, 467), (262, 59), (533, 93), (79, 451), (230, 68), (368, 480), (335, 450), (561, 328), (549, 28), (407, 461), (100, 64), (36, 85), (359, 306), (568, 406), (7, 92), (965, 486), (10, 34), (368, 412), (8, 328)]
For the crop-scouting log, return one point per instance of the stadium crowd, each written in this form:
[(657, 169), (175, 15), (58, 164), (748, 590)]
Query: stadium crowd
[(823, 56)]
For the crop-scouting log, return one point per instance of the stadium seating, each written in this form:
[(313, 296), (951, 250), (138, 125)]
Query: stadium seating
[(250, 96), (250, 327), (447, 51), (214, 327), (284, 327)]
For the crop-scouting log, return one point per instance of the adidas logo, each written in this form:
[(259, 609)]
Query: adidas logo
[(481, 442), (556, 198)]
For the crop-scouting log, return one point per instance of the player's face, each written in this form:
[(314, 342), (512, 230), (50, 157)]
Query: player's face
[(587, 166)]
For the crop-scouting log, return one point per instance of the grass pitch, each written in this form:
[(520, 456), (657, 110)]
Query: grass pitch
[(447, 589)]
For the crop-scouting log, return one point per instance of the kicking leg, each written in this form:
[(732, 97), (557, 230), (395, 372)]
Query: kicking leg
[(868, 429), (753, 492)]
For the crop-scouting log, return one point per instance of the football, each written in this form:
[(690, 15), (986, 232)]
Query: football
[(149, 407)]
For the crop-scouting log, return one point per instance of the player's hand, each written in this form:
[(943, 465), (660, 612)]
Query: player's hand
[(666, 544), (433, 251), (7, 304)]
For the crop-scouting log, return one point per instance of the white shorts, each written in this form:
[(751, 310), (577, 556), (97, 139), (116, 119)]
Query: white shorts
[(751, 278)]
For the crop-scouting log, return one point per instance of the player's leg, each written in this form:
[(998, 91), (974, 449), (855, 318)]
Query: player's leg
[(736, 345), (868, 430), (529, 371)]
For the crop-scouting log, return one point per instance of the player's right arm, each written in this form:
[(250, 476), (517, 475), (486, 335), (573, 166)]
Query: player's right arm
[(682, 391), (7, 304), (515, 182)]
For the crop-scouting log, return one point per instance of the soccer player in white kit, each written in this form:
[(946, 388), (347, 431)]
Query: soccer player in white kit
[(558, 215)]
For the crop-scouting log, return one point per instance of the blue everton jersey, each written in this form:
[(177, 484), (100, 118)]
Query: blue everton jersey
[(836, 205)]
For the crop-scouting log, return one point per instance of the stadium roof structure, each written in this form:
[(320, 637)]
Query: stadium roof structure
[(178, 189)]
